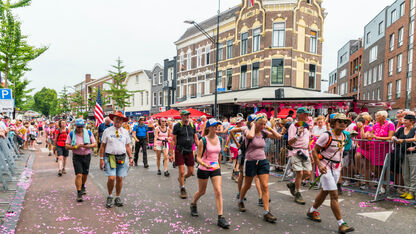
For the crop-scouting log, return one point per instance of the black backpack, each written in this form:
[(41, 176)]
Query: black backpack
[(244, 146)]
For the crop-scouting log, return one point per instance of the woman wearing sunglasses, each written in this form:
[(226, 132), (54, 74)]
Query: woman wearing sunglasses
[(162, 134)]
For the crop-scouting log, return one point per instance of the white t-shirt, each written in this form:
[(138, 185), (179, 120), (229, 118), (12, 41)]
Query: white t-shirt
[(2, 125), (116, 145), (318, 131)]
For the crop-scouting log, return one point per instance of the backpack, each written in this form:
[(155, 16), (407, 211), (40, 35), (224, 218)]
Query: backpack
[(330, 140), (244, 147), (204, 141)]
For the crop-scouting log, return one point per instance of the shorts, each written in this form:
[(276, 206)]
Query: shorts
[(62, 151), (330, 179), (299, 164), (184, 159), (204, 175), (119, 171), (40, 128), (346, 158), (161, 147), (234, 152), (256, 167), (81, 163), (50, 141)]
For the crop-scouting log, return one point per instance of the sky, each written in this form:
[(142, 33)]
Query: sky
[(87, 36)]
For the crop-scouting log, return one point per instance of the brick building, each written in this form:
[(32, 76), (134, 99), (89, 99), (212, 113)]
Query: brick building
[(355, 69), (333, 84)]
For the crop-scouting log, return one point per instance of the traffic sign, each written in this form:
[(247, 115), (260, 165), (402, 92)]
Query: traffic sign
[(6, 94), (221, 89), (6, 105)]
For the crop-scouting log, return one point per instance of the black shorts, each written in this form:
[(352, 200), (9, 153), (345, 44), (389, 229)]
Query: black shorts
[(241, 159), (203, 175), (256, 167), (62, 151), (81, 163)]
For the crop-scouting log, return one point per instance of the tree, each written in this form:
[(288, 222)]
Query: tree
[(118, 91), (46, 101), (76, 102), (64, 102), (93, 99)]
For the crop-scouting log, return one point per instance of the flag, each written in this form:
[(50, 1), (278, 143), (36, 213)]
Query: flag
[(98, 113), (252, 2)]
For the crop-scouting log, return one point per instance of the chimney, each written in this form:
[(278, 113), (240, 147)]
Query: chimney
[(87, 78)]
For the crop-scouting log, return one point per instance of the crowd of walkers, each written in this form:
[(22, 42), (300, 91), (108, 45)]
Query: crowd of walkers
[(320, 151)]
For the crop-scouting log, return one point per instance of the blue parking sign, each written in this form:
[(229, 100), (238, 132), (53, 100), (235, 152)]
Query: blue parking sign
[(6, 94)]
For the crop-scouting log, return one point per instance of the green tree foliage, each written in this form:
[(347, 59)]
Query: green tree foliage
[(64, 102), (118, 91), (77, 104), (93, 99), (46, 101)]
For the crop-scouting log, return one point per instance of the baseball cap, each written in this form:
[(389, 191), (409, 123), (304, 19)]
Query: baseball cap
[(239, 120), (185, 112), (79, 123), (302, 110), (213, 122)]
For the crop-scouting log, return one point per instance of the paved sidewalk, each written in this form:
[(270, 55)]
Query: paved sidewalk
[(50, 205)]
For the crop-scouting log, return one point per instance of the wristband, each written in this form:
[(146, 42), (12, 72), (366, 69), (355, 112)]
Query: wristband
[(76, 147)]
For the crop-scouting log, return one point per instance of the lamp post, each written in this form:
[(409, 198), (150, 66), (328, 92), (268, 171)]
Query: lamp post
[(216, 42)]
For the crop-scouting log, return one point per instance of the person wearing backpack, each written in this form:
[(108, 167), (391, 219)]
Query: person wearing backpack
[(209, 160), (141, 136), (81, 141), (60, 139), (328, 156), (256, 163)]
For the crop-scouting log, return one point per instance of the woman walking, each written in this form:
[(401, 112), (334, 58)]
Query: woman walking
[(209, 159), (162, 134), (60, 139)]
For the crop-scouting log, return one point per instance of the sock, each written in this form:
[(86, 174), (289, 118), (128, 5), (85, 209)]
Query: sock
[(110, 195), (312, 209), (340, 222), (182, 187), (219, 216), (266, 212), (117, 196), (241, 200), (83, 186)]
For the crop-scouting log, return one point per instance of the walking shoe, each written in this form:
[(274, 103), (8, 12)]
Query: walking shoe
[(223, 223), (83, 191), (299, 199), (269, 218), (56, 160), (63, 171), (159, 172), (174, 165), (261, 202), (60, 173), (291, 187), (109, 203), (241, 206), (166, 173), (238, 197), (50, 154), (146, 166), (382, 190), (135, 164), (314, 216), (183, 193), (79, 197), (344, 228), (404, 195), (194, 210), (339, 189), (118, 202), (409, 196)]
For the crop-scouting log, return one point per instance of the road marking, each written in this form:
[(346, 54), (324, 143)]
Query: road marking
[(380, 216), (328, 202), (287, 192)]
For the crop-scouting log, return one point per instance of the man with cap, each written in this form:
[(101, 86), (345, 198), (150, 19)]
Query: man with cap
[(184, 137), (115, 146), (141, 136), (327, 153), (298, 139), (81, 141)]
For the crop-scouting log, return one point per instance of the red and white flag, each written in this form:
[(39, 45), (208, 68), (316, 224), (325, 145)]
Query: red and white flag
[(252, 2), (98, 113)]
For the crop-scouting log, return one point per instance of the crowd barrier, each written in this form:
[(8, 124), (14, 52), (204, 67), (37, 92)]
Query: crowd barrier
[(9, 154)]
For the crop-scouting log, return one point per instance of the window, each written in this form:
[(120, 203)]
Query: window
[(244, 43), (343, 73), (199, 90), (147, 98), (374, 75), (160, 77), (313, 44), (343, 58), (411, 31), (393, 16), (279, 35), (256, 39), (380, 27), (154, 82), (220, 52), (380, 72), (219, 83), (373, 54), (368, 37), (255, 75), (373, 96), (364, 96), (208, 54), (160, 99), (312, 76), (398, 88), (229, 49), (277, 71), (229, 79), (243, 77), (389, 87), (154, 99), (166, 96), (189, 61), (402, 9), (412, 8), (365, 78), (399, 63), (137, 79), (199, 58), (370, 77), (390, 67), (378, 94), (391, 42), (368, 95), (181, 63), (141, 97), (400, 37), (342, 88)]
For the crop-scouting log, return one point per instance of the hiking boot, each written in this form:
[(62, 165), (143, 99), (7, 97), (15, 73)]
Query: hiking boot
[(299, 199), (194, 210), (146, 166), (223, 223), (314, 216), (404, 195), (83, 191), (344, 228), (291, 187), (56, 160), (183, 193), (409, 196), (339, 189), (63, 171), (79, 197), (60, 173), (159, 172), (109, 203), (118, 202), (241, 206), (269, 218), (166, 173), (261, 202)]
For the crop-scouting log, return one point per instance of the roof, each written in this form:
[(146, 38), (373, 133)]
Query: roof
[(148, 73), (228, 14), (260, 95)]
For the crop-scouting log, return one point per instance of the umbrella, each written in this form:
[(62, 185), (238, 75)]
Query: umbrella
[(174, 114), (197, 113)]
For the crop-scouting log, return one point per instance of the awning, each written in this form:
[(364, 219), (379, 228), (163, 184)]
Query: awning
[(197, 113), (167, 114)]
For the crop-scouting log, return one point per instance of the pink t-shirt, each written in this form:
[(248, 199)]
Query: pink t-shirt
[(80, 141), (302, 143), (383, 130), (332, 152), (212, 153), (255, 150)]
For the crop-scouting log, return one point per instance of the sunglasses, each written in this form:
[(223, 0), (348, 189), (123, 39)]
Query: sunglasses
[(117, 134), (342, 121)]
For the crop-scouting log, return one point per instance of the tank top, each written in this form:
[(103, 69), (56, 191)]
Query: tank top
[(162, 136), (212, 153)]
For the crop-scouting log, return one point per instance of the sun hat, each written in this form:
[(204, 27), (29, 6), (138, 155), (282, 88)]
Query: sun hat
[(119, 114), (340, 116)]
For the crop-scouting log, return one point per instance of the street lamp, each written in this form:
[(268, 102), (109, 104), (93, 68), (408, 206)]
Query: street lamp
[(217, 55)]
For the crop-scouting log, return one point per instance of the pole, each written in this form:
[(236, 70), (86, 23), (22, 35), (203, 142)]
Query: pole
[(216, 63)]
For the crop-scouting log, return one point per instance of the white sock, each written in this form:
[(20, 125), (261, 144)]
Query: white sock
[(312, 209), (110, 195), (117, 196), (340, 222)]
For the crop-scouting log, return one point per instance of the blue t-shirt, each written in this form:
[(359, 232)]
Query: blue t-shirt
[(141, 131), (348, 141), (102, 127)]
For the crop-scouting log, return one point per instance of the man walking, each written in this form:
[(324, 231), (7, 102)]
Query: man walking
[(81, 142), (184, 137), (141, 136), (114, 147)]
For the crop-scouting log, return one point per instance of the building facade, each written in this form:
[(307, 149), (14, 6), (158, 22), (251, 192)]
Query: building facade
[(272, 43), (343, 67), (169, 82), (157, 90), (332, 82), (107, 103), (355, 69), (139, 85)]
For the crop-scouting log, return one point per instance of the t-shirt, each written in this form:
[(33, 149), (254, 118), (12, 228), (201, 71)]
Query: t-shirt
[(61, 137), (255, 150), (3, 125), (399, 134), (79, 140), (225, 125), (318, 131), (302, 143), (141, 131), (185, 135), (332, 151), (212, 153), (116, 145)]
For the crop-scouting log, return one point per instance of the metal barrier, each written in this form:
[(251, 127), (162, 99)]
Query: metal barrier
[(9, 153)]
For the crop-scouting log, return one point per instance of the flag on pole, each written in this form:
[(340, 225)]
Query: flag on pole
[(252, 2), (98, 113)]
